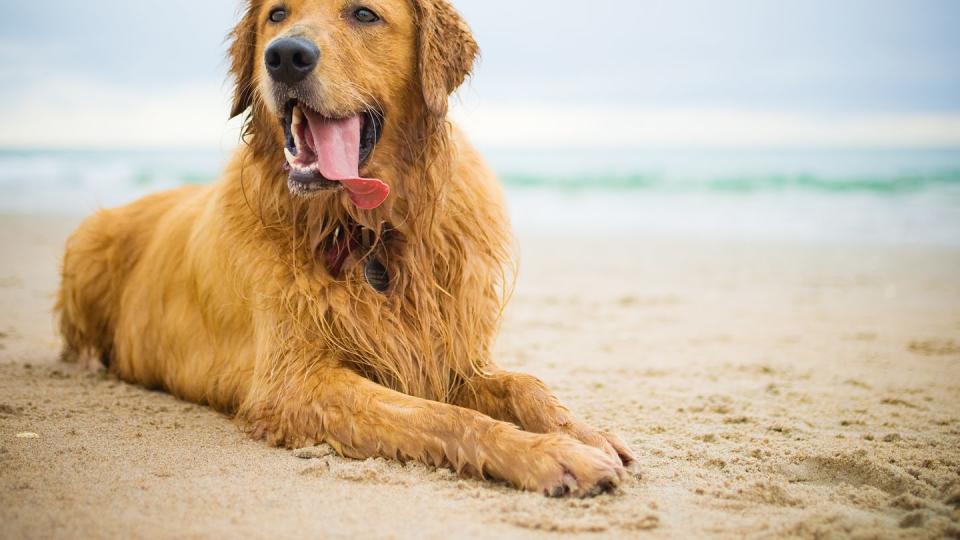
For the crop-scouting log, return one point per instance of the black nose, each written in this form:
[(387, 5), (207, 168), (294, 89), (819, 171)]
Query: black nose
[(289, 60)]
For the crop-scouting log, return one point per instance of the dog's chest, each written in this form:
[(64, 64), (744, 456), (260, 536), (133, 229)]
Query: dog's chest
[(361, 251), (408, 314)]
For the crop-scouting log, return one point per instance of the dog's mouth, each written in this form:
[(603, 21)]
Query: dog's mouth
[(326, 153)]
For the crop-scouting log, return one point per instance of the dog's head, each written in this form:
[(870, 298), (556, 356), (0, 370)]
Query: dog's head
[(337, 86)]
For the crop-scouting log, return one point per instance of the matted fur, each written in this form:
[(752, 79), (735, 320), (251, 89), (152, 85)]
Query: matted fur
[(219, 294)]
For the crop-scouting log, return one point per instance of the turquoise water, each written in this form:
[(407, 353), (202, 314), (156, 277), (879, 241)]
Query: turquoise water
[(732, 170), (900, 196), (745, 183)]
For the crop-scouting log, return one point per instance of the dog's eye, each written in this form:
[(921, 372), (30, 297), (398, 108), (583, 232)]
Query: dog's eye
[(278, 15), (366, 16)]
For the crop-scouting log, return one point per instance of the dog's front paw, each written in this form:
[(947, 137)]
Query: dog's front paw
[(605, 441), (559, 466)]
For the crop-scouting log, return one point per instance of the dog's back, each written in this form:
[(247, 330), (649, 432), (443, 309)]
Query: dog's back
[(99, 258)]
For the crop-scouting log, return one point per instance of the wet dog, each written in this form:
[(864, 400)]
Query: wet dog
[(343, 281)]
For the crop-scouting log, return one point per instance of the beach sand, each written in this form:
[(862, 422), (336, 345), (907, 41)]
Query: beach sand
[(769, 388)]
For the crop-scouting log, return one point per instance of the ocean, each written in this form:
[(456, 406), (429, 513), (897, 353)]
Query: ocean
[(901, 196)]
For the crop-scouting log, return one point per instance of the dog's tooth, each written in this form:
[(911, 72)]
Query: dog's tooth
[(297, 120), (297, 116), (290, 157)]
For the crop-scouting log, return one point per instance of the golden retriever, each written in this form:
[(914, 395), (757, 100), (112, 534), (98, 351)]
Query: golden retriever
[(343, 281)]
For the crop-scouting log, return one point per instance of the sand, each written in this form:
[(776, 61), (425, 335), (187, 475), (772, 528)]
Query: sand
[(771, 389)]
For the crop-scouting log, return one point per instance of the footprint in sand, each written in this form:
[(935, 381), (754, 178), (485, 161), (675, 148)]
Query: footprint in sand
[(897, 402), (10, 410), (934, 347), (855, 470)]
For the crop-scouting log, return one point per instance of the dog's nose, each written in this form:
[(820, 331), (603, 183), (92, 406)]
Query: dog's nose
[(289, 60)]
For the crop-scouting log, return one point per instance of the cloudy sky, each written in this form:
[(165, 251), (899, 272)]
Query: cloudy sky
[(554, 72)]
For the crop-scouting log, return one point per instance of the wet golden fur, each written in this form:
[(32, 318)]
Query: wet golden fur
[(218, 293)]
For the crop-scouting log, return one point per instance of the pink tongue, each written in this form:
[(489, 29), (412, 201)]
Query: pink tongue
[(337, 145)]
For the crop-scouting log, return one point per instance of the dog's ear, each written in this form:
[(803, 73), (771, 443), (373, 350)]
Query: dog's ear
[(243, 43), (447, 51)]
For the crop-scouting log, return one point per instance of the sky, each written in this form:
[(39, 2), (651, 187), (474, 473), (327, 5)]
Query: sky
[(553, 72)]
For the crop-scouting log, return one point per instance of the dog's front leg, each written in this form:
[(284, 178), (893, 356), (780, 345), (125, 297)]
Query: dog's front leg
[(527, 402), (362, 419)]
